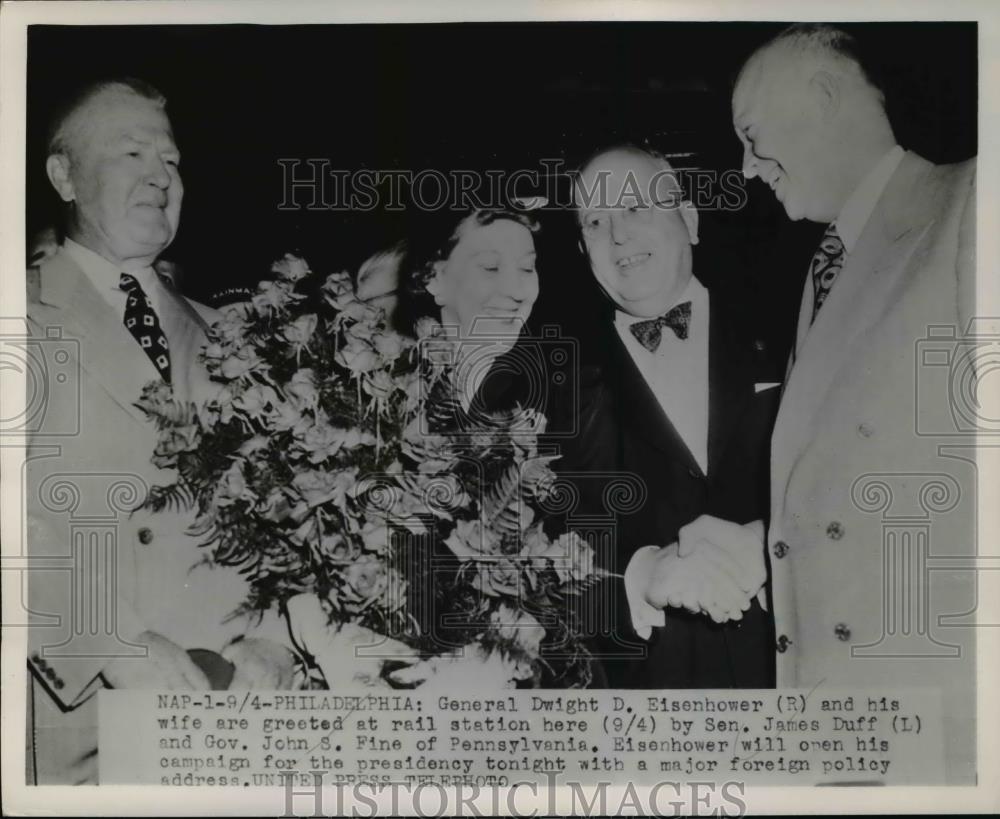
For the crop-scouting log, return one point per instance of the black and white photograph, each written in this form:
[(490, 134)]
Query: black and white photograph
[(568, 410)]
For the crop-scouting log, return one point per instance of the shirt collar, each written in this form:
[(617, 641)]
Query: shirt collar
[(104, 275), (695, 292), (860, 204)]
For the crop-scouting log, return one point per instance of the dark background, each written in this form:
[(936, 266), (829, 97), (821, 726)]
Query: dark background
[(474, 96)]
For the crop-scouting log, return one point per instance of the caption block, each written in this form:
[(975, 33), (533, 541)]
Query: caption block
[(253, 739)]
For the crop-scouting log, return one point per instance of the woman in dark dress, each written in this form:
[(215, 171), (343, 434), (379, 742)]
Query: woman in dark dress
[(475, 273)]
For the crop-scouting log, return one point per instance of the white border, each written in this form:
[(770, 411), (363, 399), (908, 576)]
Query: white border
[(15, 16)]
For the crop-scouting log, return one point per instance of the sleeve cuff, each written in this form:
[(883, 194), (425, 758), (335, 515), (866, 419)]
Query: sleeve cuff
[(644, 616)]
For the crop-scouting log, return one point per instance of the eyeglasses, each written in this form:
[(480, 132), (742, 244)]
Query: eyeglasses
[(597, 223)]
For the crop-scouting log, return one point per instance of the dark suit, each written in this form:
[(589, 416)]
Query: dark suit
[(623, 429)]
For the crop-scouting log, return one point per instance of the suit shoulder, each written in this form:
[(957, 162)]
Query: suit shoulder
[(967, 168), (33, 285), (208, 314), (955, 178)]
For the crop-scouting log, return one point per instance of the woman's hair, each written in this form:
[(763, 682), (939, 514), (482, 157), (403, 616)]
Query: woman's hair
[(429, 244)]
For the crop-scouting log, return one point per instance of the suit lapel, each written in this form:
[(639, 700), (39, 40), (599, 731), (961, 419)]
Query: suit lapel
[(108, 352), (859, 296), (730, 381), (639, 408), (185, 331)]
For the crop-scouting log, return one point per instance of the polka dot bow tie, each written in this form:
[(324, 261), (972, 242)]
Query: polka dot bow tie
[(649, 333)]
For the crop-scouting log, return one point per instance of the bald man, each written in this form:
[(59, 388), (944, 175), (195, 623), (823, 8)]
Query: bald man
[(682, 398), (853, 509)]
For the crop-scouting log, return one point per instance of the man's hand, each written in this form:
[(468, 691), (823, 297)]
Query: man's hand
[(697, 582), (166, 666), (739, 549), (261, 664)]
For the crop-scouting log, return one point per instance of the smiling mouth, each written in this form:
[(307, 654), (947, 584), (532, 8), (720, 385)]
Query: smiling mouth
[(500, 313), (632, 261)]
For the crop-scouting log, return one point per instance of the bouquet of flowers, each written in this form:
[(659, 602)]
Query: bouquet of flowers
[(334, 462)]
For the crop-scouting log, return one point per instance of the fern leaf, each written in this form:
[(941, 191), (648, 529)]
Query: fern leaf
[(176, 497), (502, 501)]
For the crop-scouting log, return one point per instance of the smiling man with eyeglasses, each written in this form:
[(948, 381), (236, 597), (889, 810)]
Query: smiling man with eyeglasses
[(679, 400)]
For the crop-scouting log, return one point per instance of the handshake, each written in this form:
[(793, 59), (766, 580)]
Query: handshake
[(716, 568)]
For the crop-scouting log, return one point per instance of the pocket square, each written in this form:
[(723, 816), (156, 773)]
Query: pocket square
[(765, 385)]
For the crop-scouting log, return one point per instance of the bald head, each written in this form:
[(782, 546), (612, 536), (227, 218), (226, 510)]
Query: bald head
[(811, 120), (637, 230)]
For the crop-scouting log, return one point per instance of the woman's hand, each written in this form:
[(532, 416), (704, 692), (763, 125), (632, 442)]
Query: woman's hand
[(473, 669), (165, 666), (349, 656), (261, 665)]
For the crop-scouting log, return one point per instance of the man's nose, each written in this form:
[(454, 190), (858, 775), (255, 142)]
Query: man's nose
[(750, 169), (618, 230), (157, 173)]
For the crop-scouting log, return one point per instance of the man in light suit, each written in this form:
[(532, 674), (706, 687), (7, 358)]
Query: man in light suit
[(683, 399), (118, 597), (858, 497)]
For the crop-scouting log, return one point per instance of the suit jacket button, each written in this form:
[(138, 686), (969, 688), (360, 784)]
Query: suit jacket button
[(842, 631), (58, 684), (694, 473), (780, 549), (50, 673), (783, 644), (758, 345), (835, 531), (865, 430), (145, 535)]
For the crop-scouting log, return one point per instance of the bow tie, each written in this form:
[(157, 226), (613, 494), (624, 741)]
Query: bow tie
[(649, 332)]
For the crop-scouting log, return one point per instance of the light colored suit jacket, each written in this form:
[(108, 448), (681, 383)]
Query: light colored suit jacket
[(101, 573), (870, 516)]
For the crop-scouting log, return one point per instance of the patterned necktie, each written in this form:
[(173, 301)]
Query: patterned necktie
[(142, 323), (649, 333), (826, 264)]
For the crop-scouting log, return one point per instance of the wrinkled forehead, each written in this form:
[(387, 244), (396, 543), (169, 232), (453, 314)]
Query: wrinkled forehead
[(622, 178)]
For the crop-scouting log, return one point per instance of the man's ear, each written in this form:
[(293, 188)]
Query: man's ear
[(433, 285), (826, 88), (57, 169), (689, 213)]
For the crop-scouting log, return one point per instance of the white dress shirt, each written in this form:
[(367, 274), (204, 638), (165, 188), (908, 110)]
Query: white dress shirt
[(858, 208), (105, 277), (677, 372)]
